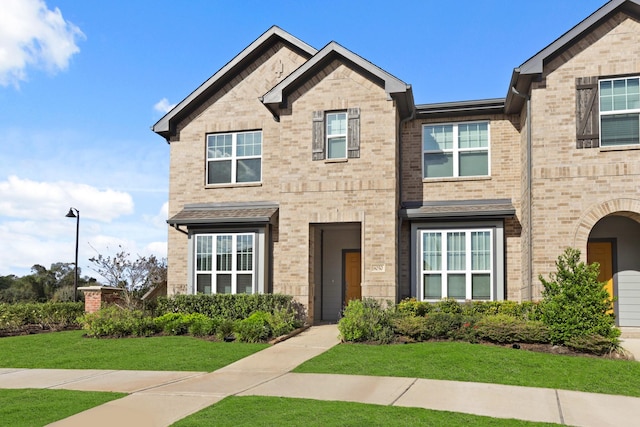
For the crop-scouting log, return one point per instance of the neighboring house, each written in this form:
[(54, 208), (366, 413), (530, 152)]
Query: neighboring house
[(314, 173)]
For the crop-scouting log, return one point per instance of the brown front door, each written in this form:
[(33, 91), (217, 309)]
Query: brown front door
[(352, 277), (602, 253)]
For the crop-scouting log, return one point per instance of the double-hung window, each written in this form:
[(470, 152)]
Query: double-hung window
[(455, 150), (225, 263), (336, 135), (620, 111), (234, 157), (456, 264)]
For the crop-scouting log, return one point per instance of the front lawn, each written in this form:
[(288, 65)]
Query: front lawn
[(30, 407), (273, 411), (70, 350), (459, 361)]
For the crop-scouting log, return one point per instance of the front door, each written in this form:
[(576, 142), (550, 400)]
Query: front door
[(602, 253), (352, 277)]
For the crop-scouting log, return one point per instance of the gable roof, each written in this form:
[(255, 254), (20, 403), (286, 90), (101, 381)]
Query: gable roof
[(166, 125), (533, 67), (394, 87)]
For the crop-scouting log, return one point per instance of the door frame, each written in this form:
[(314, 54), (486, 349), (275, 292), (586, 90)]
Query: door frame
[(614, 267), (344, 273)]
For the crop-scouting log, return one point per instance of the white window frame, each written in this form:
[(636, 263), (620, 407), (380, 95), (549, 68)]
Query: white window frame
[(618, 112), (444, 271), (456, 150), (330, 136), (214, 271), (234, 157)]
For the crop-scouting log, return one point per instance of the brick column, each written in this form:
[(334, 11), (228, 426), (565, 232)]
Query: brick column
[(95, 296)]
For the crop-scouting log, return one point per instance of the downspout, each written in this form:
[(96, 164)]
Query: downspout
[(399, 231), (527, 98)]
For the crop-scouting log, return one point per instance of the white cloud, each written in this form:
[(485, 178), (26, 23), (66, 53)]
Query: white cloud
[(163, 106), (27, 199), (33, 35)]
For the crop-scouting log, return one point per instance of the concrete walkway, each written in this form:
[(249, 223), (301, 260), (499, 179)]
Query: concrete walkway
[(161, 398)]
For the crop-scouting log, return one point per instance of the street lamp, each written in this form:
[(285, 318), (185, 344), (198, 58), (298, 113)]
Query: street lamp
[(76, 215)]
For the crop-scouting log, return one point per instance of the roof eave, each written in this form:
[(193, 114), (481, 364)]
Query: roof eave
[(165, 126), (534, 66), (394, 87)]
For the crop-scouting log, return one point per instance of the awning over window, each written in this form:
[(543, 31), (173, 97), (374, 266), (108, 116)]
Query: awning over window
[(224, 213), (495, 208)]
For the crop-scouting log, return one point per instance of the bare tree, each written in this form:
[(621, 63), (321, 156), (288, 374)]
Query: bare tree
[(134, 276)]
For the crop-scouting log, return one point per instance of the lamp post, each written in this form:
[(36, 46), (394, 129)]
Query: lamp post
[(76, 215)]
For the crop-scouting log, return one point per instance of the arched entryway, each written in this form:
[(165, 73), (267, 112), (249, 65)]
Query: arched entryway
[(614, 241)]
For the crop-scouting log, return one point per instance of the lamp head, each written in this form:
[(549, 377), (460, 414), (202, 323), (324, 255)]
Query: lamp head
[(70, 214)]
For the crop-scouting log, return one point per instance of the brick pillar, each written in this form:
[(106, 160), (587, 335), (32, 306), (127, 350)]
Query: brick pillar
[(95, 296)]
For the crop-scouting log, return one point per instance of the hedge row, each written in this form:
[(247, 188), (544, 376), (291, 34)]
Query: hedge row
[(247, 318), (18, 317), (233, 307), (502, 322)]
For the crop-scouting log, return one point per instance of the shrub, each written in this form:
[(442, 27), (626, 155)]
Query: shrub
[(443, 325), (225, 329), (594, 344), (254, 328), (410, 326), (114, 321), (574, 303), (503, 328), (413, 307), (282, 321), (365, 320), (448, 305), (202, 326)]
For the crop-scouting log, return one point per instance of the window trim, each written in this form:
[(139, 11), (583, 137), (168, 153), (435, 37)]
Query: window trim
[(498, 252), (614, 112), (344, 135), (456, 150), (234, 159), (260, 256)]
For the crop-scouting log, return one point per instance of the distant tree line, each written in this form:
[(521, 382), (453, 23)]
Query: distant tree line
[(134, 276), (42, 284)]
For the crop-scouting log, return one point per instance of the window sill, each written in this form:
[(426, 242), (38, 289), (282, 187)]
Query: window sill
[(233, 185), (336, 160), (620, 148), (456, 179)]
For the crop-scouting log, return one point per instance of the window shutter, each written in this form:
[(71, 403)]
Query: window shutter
[(587, 112), (353, 132), (318, 136)]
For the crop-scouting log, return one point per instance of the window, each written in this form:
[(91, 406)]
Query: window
[(234, 157), (456, 264), (337, 135), (455, 150), (225, 263), (620, 111)]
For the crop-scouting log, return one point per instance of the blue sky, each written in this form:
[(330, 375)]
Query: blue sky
[(82, 82)]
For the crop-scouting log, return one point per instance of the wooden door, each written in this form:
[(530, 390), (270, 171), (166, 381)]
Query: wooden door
[(352, 276), (602, 252)]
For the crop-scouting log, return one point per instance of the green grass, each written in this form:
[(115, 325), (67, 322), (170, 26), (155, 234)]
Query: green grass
[(70, 350), (460, 361), (29, 407), (274, 411)]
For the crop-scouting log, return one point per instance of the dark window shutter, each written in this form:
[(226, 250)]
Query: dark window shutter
[(587, 112), (317, 152), (353, 132)]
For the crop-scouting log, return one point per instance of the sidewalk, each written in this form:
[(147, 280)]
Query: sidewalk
[(161, 398)]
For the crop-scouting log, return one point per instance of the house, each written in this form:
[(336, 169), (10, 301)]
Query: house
[(314, 173)]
